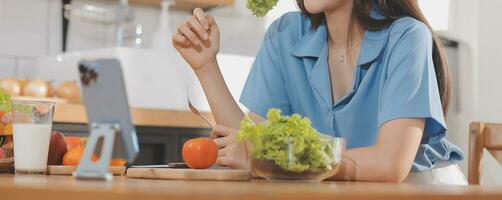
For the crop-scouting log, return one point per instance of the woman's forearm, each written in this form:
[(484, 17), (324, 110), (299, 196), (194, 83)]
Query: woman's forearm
[(390, 159), (225, 109), (367, 164)]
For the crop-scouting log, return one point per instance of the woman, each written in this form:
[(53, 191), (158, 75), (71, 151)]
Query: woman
[(371, 72)]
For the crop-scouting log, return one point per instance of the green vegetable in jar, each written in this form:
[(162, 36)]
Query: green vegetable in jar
[(289, 141), (261, 7)]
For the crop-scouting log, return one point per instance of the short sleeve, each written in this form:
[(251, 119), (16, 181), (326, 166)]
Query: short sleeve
[(410, 89), (265, 87)]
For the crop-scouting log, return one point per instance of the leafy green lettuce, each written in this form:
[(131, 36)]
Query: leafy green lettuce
[(5, 104), (4, 101), (288, 141), (261, 7)]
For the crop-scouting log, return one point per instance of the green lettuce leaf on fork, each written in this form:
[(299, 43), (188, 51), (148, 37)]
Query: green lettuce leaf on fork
[(261, 7), (289, 141)]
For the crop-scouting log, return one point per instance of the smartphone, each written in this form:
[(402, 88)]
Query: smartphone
[(105, 98)]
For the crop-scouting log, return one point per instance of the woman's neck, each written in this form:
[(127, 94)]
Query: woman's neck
[(339, 24)]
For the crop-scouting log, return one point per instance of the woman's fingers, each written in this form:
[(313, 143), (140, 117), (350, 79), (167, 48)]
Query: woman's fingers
[(222, 151), (221, 142), (180, 39), (213, 135), (223, 135), (222, 161), (197, 27), (195, 30), (199, 14), (211, 21), (219, 130), (186, 30)]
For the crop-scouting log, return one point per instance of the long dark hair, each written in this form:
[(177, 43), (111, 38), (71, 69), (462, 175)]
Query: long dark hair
[(393, 10)]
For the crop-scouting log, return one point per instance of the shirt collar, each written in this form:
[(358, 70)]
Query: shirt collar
[(310, 45)]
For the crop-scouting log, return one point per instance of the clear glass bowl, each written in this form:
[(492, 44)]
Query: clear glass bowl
[(301, 164)]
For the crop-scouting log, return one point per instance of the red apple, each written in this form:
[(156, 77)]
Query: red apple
[(3, 154), (7, 142), (57, 149)]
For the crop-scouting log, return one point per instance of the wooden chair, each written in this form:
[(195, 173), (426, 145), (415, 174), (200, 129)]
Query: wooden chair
[(481, 136)]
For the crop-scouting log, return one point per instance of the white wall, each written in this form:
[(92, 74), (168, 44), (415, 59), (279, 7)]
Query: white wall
[(27, 31), (477, 26), (489, 76), (462, 29)]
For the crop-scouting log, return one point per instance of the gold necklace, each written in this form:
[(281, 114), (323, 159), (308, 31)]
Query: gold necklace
[(343, 52), (342, 55)]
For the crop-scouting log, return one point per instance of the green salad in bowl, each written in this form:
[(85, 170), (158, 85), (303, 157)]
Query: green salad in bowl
[(289, 148)]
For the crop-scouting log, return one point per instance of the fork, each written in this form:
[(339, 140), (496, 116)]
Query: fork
[(219, 5), (197, 112)]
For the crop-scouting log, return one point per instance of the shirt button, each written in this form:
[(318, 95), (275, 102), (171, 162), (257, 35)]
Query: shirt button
[(333, 126), (332, 119)]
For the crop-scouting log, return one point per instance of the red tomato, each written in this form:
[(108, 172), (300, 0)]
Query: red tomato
[(200, 153)]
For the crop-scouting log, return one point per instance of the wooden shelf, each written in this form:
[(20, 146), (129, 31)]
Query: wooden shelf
[(186, 4)]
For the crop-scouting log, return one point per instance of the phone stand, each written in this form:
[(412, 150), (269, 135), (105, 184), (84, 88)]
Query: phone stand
[(102, 135)]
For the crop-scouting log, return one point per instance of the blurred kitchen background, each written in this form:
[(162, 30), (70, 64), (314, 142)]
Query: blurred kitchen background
[(44, 39)]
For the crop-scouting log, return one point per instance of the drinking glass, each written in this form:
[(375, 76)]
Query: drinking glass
[(32, 125)]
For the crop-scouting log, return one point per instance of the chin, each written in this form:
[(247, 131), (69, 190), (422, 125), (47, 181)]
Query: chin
[(320, 6)]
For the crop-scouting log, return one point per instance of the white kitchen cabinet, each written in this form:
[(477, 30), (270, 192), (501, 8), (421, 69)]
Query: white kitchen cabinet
[(26, 68), (7, 67)]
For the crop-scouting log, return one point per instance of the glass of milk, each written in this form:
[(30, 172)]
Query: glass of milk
[(32, 125)]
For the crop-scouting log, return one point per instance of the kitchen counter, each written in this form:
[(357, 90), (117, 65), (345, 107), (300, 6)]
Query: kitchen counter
[(75, 114), (67, 188)]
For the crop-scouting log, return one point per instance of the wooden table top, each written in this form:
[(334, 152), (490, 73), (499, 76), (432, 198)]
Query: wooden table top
[(67, 188), (75, 114)]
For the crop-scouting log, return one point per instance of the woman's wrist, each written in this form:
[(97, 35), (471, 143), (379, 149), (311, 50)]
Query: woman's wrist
[(208, 73), (347, 171), (207, 67)]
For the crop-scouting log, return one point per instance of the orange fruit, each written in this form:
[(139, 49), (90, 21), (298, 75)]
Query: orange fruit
[(199, 153), (7, 130), (73, 156), (117, 162), (74, 142), (1, 128)]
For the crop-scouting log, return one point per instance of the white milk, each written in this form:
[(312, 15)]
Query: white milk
[(31, 146)]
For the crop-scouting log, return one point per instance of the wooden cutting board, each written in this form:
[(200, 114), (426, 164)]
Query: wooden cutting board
[(189, 174), (68, 170)]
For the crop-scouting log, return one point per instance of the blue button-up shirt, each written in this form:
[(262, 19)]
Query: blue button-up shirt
[(394, 79)]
